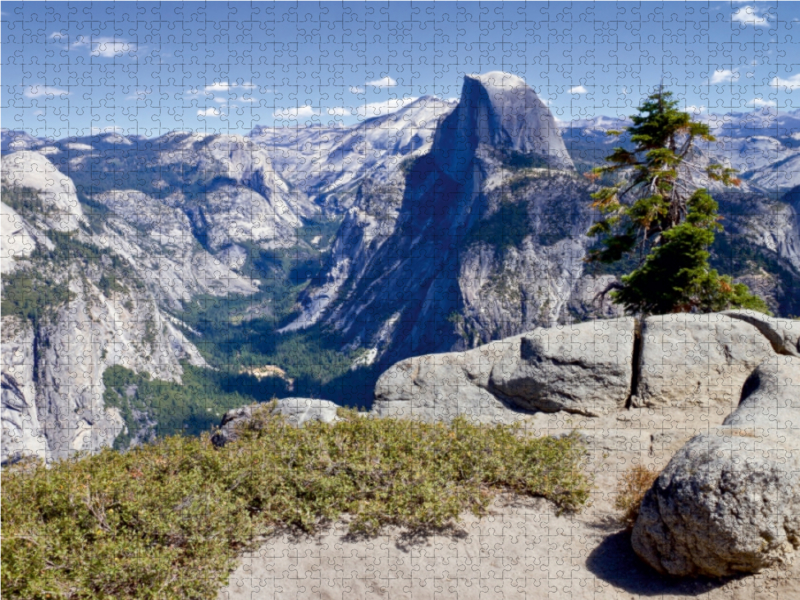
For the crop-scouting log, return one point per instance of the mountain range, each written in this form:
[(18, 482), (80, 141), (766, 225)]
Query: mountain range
[(438, 227)]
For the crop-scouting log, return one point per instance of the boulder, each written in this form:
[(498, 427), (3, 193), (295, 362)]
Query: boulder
[(440, 387), (699, 360), (585, 368), (729, 501), (297, 411)]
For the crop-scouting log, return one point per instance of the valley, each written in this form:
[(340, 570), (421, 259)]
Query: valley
[(148, 283)]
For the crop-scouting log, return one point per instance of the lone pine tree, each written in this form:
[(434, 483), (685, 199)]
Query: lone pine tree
[(655, 212)]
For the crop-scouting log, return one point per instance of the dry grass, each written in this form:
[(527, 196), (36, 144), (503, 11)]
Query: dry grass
[(632, 487)]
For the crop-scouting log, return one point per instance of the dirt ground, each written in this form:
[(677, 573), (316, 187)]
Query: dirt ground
[(523, 549)]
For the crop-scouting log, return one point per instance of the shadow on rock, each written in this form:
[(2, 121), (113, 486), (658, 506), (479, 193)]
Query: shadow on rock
[(615, 562)]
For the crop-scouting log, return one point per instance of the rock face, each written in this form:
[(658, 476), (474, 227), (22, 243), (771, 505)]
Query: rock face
[(498, 110), (585, 368), (22, 431), (78, 306), (297, 411), (729, 501), (697, 360), (57, 195), (481, 238)]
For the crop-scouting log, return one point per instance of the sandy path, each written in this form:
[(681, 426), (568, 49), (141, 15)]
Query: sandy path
[(522, 550)]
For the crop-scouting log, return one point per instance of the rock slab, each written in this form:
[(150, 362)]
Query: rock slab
[(698, 360), (585, 368)]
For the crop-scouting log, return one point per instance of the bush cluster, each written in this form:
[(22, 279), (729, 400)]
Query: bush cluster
[(168, 519)]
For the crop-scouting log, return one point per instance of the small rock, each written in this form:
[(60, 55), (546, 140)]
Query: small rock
[(297, 411)]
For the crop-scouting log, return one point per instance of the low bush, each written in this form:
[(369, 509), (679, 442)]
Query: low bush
[(632, 487), (167, 520)]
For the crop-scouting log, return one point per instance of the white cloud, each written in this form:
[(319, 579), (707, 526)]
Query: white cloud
[(340, 111), (748, 15), (357, 89), (210, 112), (377, 109), (760, 103), (695, 110), (385, 82), (724, 76), (300, 112), (218, 86), (106, 47), (578, 89), (792, 83), (38, 91)]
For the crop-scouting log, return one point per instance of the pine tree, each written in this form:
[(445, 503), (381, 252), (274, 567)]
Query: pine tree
[(656, 212)]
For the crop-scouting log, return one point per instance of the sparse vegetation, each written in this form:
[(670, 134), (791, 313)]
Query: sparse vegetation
[(167, 520), (632, 487)]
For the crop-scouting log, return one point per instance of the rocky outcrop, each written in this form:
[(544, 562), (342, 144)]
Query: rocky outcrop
[(56, 193), (441, 387), (729, 501), (585, 368), (783, 334), (498, 110), (674, 361), (696, 360), (297, 412)]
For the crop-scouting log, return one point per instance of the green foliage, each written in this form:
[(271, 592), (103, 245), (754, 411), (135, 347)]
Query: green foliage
[(676, 275), (514, 161), (32, 295), (191, 407), (167, 520), (506, 228), (653, 210), (25, 201)]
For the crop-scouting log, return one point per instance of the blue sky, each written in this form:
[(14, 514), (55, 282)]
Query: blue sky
[(71, 68)]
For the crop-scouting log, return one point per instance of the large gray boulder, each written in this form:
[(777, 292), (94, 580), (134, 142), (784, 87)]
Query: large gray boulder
[(297, 411), (697, 360), (585, 368), (729, 500), (440, 387)]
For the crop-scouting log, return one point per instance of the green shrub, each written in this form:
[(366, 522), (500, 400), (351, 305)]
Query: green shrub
[(167, 520)]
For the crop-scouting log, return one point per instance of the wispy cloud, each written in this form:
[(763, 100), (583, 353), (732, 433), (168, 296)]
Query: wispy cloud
[(340, 111), (40, 91), (749, 15), (106, 47), (357, 89), (295, 113), (578, 89), (724, 76), (385, 82), (791, 83), (210, 112), (761, 103)]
